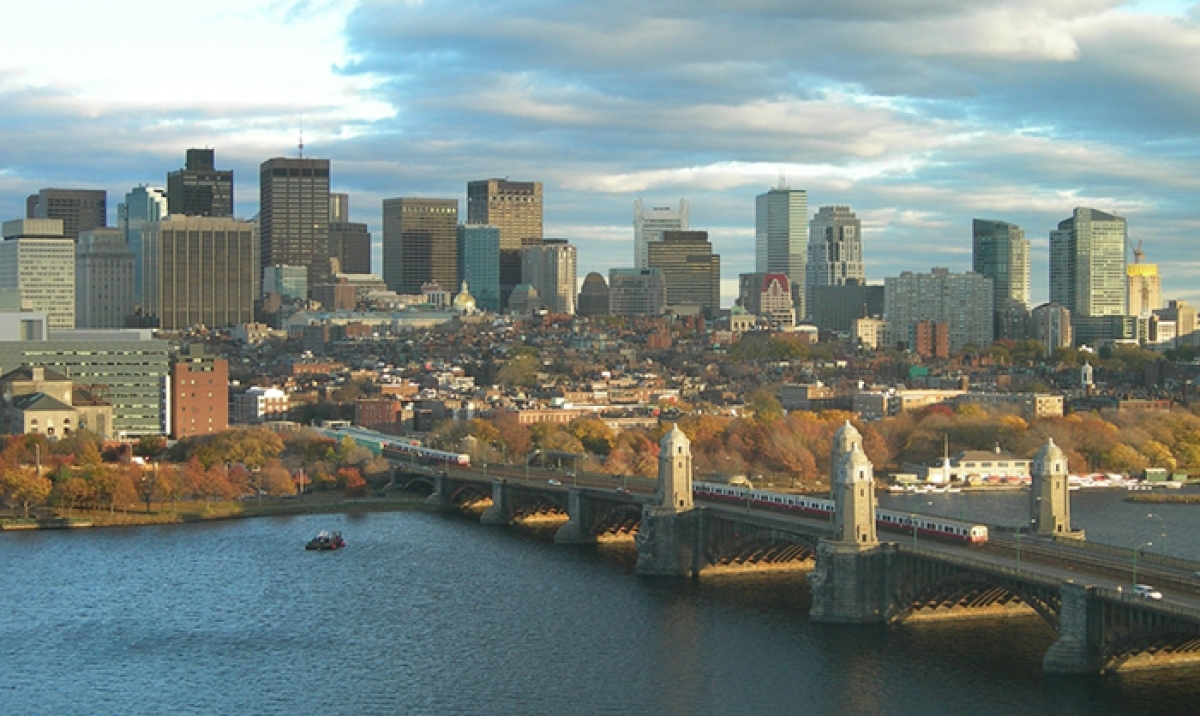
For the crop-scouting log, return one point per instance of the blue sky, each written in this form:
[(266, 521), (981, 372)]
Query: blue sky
[(921, 115)]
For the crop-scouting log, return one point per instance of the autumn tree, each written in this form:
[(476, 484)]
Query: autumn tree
[(25, 487)]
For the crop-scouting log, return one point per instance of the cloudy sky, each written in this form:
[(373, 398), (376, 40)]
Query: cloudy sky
[(920, 114)]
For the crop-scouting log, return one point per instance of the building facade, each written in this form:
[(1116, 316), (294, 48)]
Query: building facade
[(649, 223), (200, 189), (37, 263), (835, 308), (78, 209), (593, 296), (143, 205), (199, 393), (962, 301), (1144, 289), (691, 272), (479, 263), (636, 292), (420, 243), (200, 271), (1000, 251), (550, 269), (781, 238), (768, 296), (835, 255), (515, 208), (1087, 269), (128, 368), (349, 241), (104, 279), (294, 214)]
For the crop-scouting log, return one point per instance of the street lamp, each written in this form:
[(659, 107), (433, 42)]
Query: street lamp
[(1162, 532), (1137, 549)]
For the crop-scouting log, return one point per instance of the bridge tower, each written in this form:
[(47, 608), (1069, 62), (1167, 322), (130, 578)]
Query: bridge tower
[(675, 471), (850, 581), (666, 538), (853, 490), (1050, 498)]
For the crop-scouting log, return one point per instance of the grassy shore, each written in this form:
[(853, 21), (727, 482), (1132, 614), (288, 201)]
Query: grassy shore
[(166, 513)]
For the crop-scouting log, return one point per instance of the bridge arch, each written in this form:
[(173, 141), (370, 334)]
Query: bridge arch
[(761, 547), (934, 589), (618, 519)]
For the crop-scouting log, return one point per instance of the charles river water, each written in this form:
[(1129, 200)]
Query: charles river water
[(429, 614)]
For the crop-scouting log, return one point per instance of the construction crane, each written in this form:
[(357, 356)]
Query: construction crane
[(1137, 252)]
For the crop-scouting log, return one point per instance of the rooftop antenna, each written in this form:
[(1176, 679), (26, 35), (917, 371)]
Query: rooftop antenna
[(301, 136), (782, 181)]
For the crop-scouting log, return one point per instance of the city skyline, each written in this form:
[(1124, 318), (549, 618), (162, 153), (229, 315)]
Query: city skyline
[(1011, 114)]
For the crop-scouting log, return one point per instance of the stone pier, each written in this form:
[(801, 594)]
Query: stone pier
[(1074, 652)]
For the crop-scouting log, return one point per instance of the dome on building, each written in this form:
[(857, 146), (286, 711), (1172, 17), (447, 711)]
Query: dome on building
[(464, 302), (593, 296)]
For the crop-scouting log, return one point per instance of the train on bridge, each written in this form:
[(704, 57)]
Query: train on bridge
[(392, 447), (808, 506)]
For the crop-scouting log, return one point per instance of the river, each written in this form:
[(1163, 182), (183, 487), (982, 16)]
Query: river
[(428, 614)]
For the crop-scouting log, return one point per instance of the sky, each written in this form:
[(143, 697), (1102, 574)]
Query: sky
[(919, 114)]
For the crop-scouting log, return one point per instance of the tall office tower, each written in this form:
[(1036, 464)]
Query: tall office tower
[(104, 269), (691, 271), (834, 250), (1000, 251), (294, 215), (38, 264), (201, 271), (550, 268), (479, 264), (1087, 272), (420, 243), (836, 308), (636, 292), (962, 301), (1144, 287), (79, 209), (649, 225), (143, 205), (200, 189), (514, 207), (593, 296), (349, 242), (781, 238)]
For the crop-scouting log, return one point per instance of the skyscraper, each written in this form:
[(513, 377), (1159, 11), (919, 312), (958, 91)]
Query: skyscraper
[(349, 242), (38, 264), (143, 205), (104, 272), (690, 270), (593, 296), (515, 208), (420, 243), (479, 264), (294, 214), (550, 268), (1000, 251), (649, 225), (200, 270), (199, 189), (1087, 272), (78, 209), (834, 251), (636, 292), (781, 238)]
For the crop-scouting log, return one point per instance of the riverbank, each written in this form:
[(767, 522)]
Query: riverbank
[(1154, 498), (200, 512)]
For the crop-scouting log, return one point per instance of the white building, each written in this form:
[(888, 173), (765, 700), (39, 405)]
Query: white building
[(649, 225), (38, 264), (259, 405)]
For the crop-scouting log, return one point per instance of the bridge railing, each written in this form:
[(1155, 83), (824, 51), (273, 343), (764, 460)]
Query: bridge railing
[(1155, 567), (1129, 597), (1027, 573)]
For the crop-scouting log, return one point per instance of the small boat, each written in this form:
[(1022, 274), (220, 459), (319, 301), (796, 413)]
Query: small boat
[(326, 540)]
